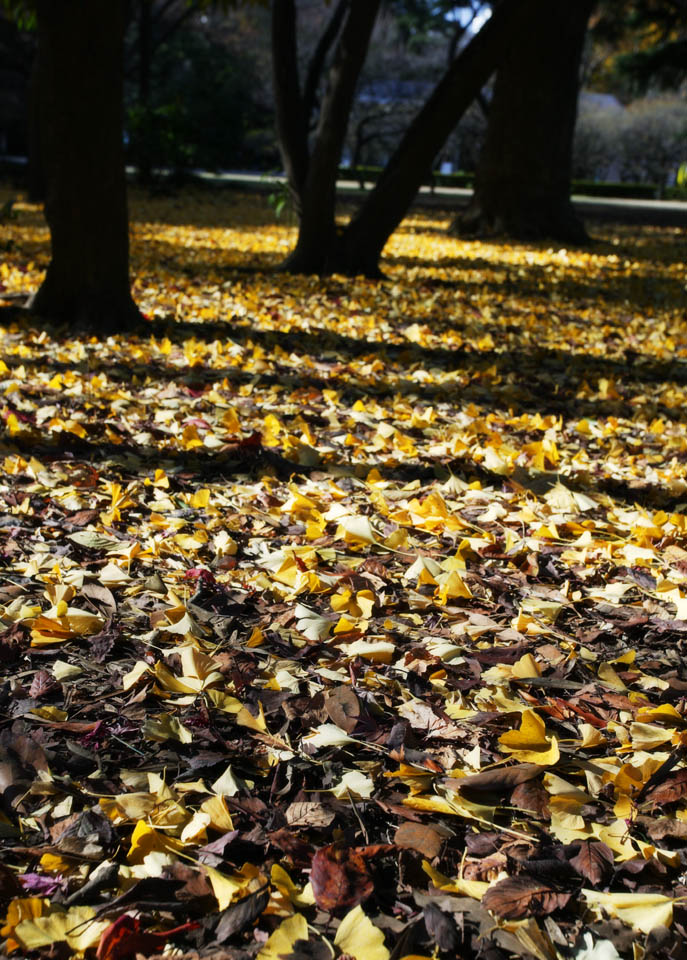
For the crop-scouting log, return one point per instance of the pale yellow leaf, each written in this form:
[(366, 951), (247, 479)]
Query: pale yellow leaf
[(358, 937), (281, 942)]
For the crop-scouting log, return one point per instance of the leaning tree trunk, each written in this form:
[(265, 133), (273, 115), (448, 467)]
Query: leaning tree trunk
[(80, 103), (522, 186), (360, 246)]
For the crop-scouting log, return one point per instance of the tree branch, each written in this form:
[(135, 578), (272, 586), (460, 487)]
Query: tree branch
[(317, 61)]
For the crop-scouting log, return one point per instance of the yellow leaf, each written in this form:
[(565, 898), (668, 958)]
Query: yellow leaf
[(283, 882), (282, 940), (146, 839), (609, 676), (465, 888), (246, 719), (220, 817), (224, 701), (224, 888), (358, 937), (166, 727), (355, 529), (23, 908), (53, 714), (452, 586), (644, 911), (77, 926), (526, 667), (530, 744), (200, 499)]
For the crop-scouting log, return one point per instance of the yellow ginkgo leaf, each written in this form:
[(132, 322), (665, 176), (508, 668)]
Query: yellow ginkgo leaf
[(464, 888), (356, 530), (282, 940), (18, 910), (224, 888), (77, 927), (358, 937), (530, 744), (644, 911)]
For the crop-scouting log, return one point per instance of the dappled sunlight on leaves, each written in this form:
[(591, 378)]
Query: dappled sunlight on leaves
[(336, 612)]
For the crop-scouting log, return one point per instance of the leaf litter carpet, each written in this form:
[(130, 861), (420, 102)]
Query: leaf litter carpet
[(347, 618)]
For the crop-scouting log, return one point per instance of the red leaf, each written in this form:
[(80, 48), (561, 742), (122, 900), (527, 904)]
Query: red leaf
[(340, 876), (517, 897), (124, 938)]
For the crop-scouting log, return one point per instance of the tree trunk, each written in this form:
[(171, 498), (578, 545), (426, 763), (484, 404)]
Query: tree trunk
[(522, 186), (292, 128), (361, 244), (35, 181), (80, 103), (317, 227)]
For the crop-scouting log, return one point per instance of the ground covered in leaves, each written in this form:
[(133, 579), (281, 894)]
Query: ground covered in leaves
[(347, 618)]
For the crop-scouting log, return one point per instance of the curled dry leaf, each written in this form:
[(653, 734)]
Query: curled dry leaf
[(518, 897)]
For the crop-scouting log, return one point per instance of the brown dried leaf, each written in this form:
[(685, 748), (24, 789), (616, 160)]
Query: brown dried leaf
[(42, 685), (343, 708), (594, 861), (239, 915), (308, 814), (672, 789), (418, 836), (532, 797), (499, 780), (517, 897)]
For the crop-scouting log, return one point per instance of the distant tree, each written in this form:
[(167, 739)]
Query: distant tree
[(79, 85), (523, 178)]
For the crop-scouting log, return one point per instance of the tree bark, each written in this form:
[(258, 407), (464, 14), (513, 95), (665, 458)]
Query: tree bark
[(292, 127), (80, 104), (35, 180), (361, 244), (317, 61), (522, 187), (317, 227)]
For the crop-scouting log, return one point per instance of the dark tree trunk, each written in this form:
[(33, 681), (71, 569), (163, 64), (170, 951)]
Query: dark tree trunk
[(317, 194), (35, 181), (361, 245), (317, 61), (292, 129), (80, 97), (522, 186)]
